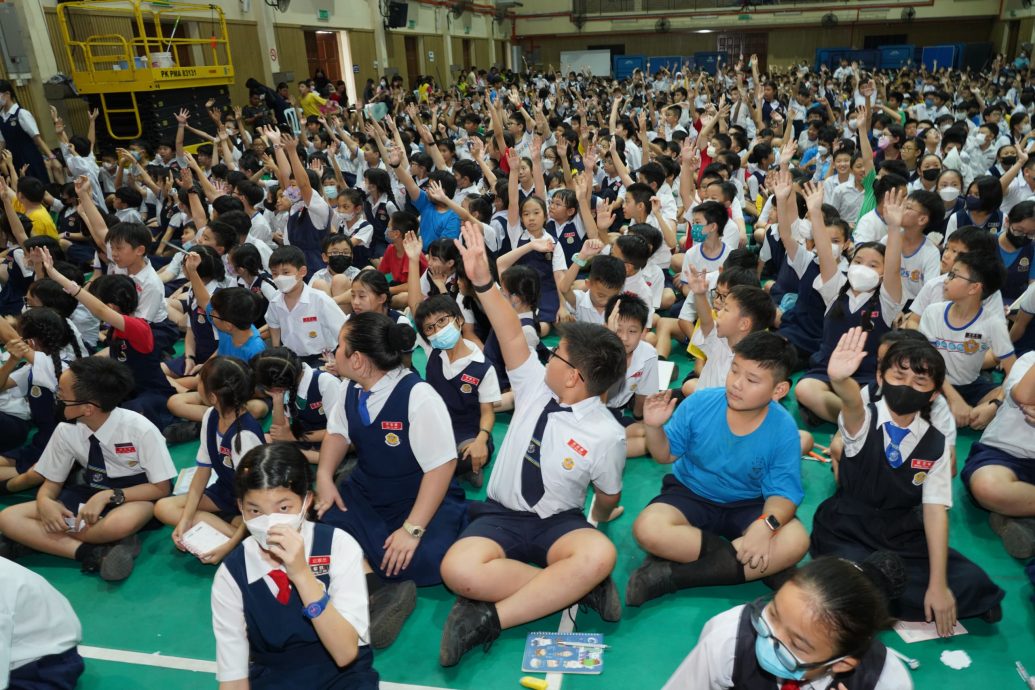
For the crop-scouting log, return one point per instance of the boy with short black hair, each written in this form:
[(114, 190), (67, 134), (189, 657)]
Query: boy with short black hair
[(336, 279), (127, 253), (737, 456), (606, 279), (127, 203), (920, 257), (29, 200), (628, 317), (125, 467), (634, 251)]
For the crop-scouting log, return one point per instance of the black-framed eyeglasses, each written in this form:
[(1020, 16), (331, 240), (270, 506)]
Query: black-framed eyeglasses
[(432, 328), (553, 353), (953, 274), (717, 296), (71, 403), (785, 655)]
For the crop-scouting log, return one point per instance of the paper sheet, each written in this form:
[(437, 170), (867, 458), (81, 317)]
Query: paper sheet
[(918, 631), (202, 538)]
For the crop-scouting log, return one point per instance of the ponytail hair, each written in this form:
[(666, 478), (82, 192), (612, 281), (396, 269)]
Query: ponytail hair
[(274, 466), (523, 282), (380, 339), (279, 367), (51, 333), (232, 383)]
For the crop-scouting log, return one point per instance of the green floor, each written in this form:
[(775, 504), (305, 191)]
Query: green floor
[(164, 609)]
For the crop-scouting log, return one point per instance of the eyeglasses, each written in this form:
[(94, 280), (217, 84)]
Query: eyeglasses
[(553, 353), (339, 254), (71, 403), (791, 662), (717, 296), (434, 327), (953, 274)]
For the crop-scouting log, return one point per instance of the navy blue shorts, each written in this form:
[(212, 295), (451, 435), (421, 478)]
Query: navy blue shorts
[(982, 455), (728, 520), (224, 499), (72, 496), (623, 419), (523, 536), (975, 390)]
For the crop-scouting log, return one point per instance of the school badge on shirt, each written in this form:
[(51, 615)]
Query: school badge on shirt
[(35, 391), (320, 565)]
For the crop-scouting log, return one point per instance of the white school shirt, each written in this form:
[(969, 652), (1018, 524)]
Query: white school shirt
[(489, 388), (709, 666), (311, 327), (430, 431), (581, 447), (655, 280), (932, 291), (261, 228), (130, 442), (248, 440), (937, 483), (696, 258), (319, 213), (329, 386), (325, 275), (517, 233), (584, 310), (36, 620), (918, 268), (720, 358), (1017, 192), (361, 230), (348, 590), (43, 378), (636, 285), (941, 416), (86, 324), (641, 376), (964, 348), (1008, 431), (870, 228), (150, 291), (265, 251)]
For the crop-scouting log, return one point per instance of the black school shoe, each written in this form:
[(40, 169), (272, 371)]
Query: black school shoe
[(390, 605), (604, 600), (650, 581), (470, 624), (1017, 534), (182, 432), (114, 562), (12, 550)]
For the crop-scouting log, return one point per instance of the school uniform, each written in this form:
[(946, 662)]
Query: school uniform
[(307, 226), (19, 277), (326, 276), (222, 453), (802, 324), (464, 386), (964, 348), (317, 393), (39, 633), (641, 378), (720, 358), (569, 236), (1007, 440), (870, 228), (378, 214), (533, 502), (127, 450), (35, 385), (15, 414), (961, 219), (583, 310), (150, 290), (932, 292), (273, 645), (724, 658), (720, 481), (206, 337), (637, 285), (697, 258), (141, 346), (361, 236), (545, 264), (919, 267), (886, 475), (1020, 270), (401, 430), (311, 327)]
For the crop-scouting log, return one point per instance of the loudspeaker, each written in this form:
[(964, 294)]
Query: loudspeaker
[(397, 12)]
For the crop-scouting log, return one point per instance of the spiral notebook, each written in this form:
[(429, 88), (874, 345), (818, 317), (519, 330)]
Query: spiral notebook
[(546, 652)]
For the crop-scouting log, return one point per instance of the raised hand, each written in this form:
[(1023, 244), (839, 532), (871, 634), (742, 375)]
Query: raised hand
[(472, 251), (658, 408), (183, 116), (698, 282), (894, 207), (412, 245), (434, 192), (848, 355)]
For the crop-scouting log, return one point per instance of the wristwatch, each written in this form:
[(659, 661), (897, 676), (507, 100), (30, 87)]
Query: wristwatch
[(771, 522), (117, 498), (314, 609), (414, 530)]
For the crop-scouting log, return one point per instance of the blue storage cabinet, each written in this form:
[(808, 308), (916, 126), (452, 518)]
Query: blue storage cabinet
[(946, 55), (707, 60), (623, 66), (674, 63), (895, 57)]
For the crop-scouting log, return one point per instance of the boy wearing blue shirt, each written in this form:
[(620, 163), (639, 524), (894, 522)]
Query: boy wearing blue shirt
[(436, 220), (726, 513)]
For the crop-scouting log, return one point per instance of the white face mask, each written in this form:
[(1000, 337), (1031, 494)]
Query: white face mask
[(862, 278), (259, 527), (285, 283), (822, 151), (547, 165), (1025, 128), (836, 248), (949, 194), (980, 138), (711, 151), (853, 125)]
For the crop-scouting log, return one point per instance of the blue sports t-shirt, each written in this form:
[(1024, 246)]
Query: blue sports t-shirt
[(433, 224), (226, 348), (717, 465)]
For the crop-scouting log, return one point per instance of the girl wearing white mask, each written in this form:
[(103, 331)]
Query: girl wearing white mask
[(868, 295), (289, 604)]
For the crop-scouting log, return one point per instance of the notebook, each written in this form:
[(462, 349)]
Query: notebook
[(186, 476), (545, 653), (203, 538)]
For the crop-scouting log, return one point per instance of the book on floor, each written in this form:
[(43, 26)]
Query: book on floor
[(557, 652)]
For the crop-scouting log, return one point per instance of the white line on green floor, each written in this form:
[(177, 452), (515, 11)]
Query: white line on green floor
[(180, 663)]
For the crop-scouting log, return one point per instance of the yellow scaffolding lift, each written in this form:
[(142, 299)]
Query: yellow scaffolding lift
[(108, 64)]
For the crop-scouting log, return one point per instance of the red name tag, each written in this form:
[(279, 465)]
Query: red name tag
[(308, 319), (466, 378), (316, 405), (319, 560), (577, 448), (921, 464), (223, 450), (392, 426), (637, 375), (123, 448)]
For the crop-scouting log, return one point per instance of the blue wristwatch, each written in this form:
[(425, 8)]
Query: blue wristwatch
[(314, 609)]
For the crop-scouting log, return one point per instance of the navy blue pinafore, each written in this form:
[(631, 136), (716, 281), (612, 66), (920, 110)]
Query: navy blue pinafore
[(41, 405), (220, 454), (549, 299), (306, 236)]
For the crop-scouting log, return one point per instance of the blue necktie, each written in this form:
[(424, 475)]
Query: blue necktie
[(364, 413), (895, 436), (531, 472), (96, 470)]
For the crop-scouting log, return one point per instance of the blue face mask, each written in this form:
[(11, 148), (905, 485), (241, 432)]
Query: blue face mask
[(446, 338), (697, 233), (765, 653)]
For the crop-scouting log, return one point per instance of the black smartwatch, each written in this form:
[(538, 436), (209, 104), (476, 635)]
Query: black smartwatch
[(117, 499)]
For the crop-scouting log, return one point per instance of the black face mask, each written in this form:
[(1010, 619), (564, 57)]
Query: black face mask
[(1018, 241), (904, 400), (931, 174), (340, 264), (59, 412), (1008, 161)]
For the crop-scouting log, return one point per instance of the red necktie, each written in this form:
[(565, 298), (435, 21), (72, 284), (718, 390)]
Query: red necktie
[(787, 684), (283, 585)]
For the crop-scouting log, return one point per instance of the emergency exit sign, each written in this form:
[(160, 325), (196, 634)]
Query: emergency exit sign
[(323, 15)]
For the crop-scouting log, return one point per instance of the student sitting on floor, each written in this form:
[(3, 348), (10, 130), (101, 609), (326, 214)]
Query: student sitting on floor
[(289, 604), (336, 279), (466, 380), (40, 636), (529, 550), (820, 629), (726, 514), (894, 463), (627, 317), (400, 502), (606, 279), (125, 468), (1000, 470), (228, 432), (520, 286)]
